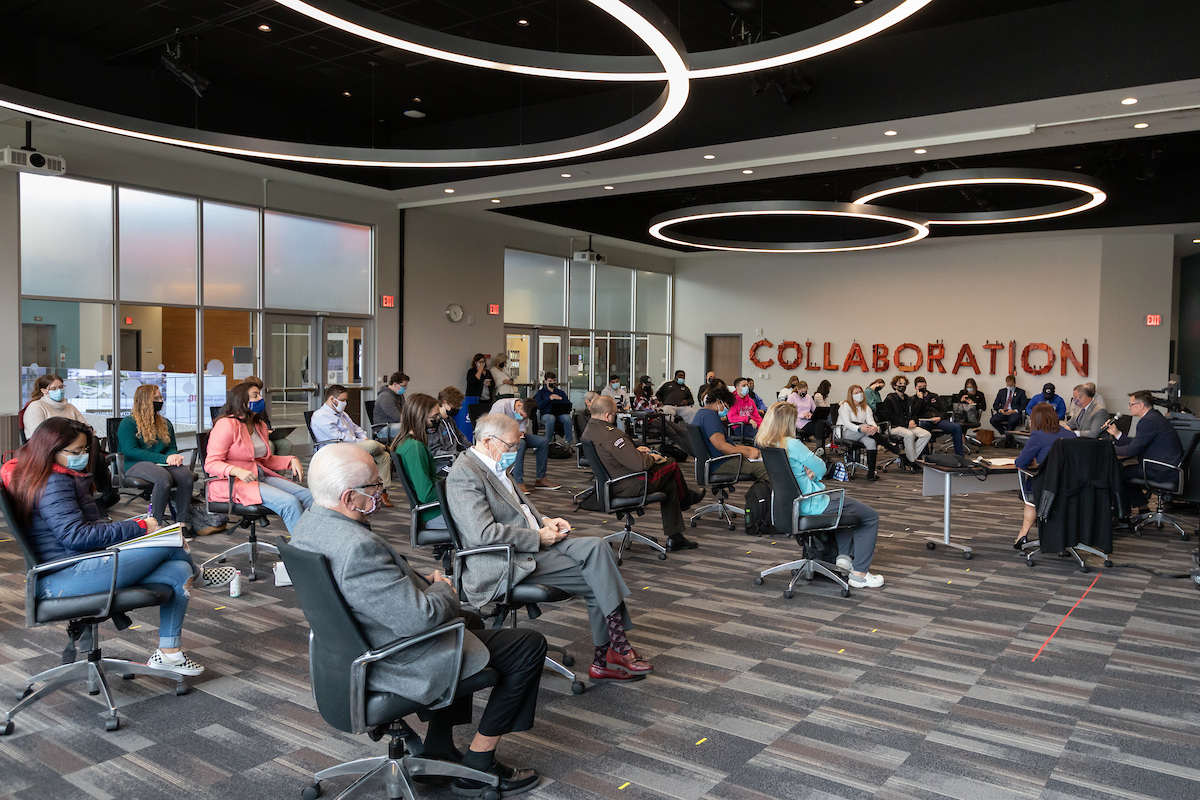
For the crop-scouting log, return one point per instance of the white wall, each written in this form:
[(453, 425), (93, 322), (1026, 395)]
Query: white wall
[(963, 291), (453, 259)]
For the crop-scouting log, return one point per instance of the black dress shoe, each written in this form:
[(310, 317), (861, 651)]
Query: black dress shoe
[(680, 542), (872, 476), (512, 781), (692, 498)]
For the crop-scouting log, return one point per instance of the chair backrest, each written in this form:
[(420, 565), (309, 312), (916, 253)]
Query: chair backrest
[(451, 527), (700, 451), (202, 449), (336, 639), (369, 405), (597, 466), (213, 413), (111, 426), (17, 529), (784, 487), (308, 425)]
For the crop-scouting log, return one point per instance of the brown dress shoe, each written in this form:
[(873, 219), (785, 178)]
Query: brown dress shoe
[(383, 501), (599, 674), (629, 663), (542, 483)]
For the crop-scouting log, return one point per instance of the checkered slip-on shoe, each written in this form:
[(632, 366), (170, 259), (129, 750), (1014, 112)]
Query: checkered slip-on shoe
[(217, 576), (174, 662)]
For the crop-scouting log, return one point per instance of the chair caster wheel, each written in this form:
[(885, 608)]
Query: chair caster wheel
[(788, 593), (112, 723), (731, 525), (1029, 563), (618, 561), (693, 523), (181, 689), (578, 688), (845, 592), (1084, 570), (758, 581), (967, 556), (490, 794), (127, 676), (568, 661), (311, 792), (1185, 537), (662, 556), (930, 546), (1107, 563), (7, 729)]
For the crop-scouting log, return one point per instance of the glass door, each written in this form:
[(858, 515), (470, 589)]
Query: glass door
[(343, 353), (292, 368), (551, 353), (518, 346)]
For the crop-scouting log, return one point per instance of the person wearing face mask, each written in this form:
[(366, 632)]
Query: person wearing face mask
[(758, 401), (874, 398), (389, 406), (390, 601), (1007, 408), (488, 509), (522, 411), (616, 392), (147, 440), (502, 380), (1090, 416), (330, 423), (645, 401), (421, 413), (51, 494), (1048, 396), (805, 406), (929, 414), (791, 386), (281, 446), (479, 387), (554, 406), (444, 438), (821, 395), (744, 416), (675, 394), (711, 422), (857, 423), (902, 412), (237, 446), (48, 400)]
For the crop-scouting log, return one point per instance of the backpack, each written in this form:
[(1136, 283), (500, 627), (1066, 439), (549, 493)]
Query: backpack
[(558, 450), (672, 450), (758, 510), (588, 500)]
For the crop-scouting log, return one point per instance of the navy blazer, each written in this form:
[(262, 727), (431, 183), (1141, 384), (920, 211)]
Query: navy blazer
[(1039, 444), (1019, 399), (1156, 439)]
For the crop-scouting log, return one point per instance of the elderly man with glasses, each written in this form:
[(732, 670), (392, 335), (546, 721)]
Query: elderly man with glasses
[(489, 510)]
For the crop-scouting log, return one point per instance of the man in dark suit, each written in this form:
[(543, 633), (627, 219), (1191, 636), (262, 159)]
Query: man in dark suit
[(1008, 406), (391, 601), (1156, 440)]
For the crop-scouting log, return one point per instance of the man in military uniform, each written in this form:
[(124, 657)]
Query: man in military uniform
[(621, 456)]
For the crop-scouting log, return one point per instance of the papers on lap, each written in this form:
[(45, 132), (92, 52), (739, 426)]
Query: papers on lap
[(166, 536)]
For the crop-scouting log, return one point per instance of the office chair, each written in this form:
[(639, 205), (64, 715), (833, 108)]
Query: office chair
[(83, 615), (339, 658), (1165, 491), (623, 507), (140, 486), (418, 534), (852, 449), (317, 443), (577, 424), (806, 529), (1060, 527), (512, 598), (705, 467), (374, 427), (251, 516)]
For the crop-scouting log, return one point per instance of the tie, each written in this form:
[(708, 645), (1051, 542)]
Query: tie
[(1008, 401)]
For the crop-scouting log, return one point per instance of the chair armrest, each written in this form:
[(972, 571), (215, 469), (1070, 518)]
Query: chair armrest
[(708, 466), (414, 521), (358, 669), (1025, 473), (645, 474), (796, 508), (1177, 468), (32, 575), (508, 550), (190, 460)]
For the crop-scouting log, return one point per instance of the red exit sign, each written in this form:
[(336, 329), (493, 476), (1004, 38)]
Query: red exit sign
[(1154, 319), (494, 309), (387, 300)]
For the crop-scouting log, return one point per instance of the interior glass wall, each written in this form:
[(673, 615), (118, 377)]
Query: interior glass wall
[(231, 249), (53, 263), (301, 253), (157, 345), (230, 355), (73, 341), (533, 288), (158, 254)]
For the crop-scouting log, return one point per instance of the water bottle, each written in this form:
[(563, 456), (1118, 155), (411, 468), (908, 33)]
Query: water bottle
[(235, 585)]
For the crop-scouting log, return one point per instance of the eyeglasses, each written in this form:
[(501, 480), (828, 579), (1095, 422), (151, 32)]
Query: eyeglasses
[(82, 452), (508, 447), (374, 487)]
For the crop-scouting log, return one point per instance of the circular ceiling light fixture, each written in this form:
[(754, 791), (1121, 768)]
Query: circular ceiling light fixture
[(913, 227), (265, 28), (747, 172), (1129, 101), (920, 151), (413, 113), (889, 133), (854, 26), (1142, 125), (641, 17), (1092, 193)]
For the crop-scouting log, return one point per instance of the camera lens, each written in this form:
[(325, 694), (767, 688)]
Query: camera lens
[(37, 160)]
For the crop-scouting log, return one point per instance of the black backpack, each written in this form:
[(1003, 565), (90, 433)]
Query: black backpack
[(758, 510), (558, 450)]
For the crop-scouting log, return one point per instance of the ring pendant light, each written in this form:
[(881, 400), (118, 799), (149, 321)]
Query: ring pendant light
[(1092, 193), (915, 227), (845, 30), (641, 17)]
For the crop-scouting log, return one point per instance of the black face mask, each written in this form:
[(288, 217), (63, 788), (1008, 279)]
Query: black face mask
[(158, 406), (803, 394), (902, 388)]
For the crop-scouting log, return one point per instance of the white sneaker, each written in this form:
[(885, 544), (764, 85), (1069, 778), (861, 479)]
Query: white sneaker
[(845, 563), (174, 662), (868, 581)]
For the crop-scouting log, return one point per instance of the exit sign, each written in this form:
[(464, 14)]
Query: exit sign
[(494, 309), (388, 301), (1154, 319)]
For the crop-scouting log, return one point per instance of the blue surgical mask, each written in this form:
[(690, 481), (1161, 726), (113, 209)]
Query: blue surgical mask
[(679, 381), (257, 406), (77, 462), (507, 460), (401, 390), (743, 391), (517, 415), (56, 395), (615, 384), (724, 412)]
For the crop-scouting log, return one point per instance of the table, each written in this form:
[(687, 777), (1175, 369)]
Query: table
[(948, 481)]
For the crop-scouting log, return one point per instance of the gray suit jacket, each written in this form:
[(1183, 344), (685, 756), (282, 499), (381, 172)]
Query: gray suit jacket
[(488, 513), (1090, 422), (390, 601)]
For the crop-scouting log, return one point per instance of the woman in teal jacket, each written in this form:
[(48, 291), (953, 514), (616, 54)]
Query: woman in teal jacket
[(418, 414), (147, 440), (856, 546)]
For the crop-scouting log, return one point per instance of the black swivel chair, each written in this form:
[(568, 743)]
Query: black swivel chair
[(851, 449), (376, 428), (577, 424), (316, 443), (418, 534), (339, 659), (719, 486), (807, 529), (623, 507), (1165, 491), (251, 516), (83, 615), (511, 598)]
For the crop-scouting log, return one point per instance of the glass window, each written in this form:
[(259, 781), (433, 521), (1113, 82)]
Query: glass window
[(650, 358), (66, 238), (230, 256), (533, 288), (74, 342), (612, 358), (229, 355), (157, 247), (581, 295), (290, 371), (316, 265), (653, 302), (614, 298), (158, 346)]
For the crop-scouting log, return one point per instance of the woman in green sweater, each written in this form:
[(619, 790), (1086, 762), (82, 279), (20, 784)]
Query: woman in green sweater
[(418, 414), (147, 440)]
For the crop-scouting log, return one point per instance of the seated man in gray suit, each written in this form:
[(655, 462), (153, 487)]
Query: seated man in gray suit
[(390, 601), (1090, 414), (489, 510)]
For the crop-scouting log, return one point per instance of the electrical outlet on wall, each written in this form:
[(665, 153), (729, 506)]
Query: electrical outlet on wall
[(764, 375)]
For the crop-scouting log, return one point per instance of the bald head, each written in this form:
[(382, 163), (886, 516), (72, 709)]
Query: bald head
[(604, 406)]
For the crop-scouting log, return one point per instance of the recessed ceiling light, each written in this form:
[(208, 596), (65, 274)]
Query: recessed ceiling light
[(1195, 241), (523, 23), (747, 172), (565, 175), (345, 94), (416, 99), (1141, 125), (495, 200), (920, 151), (889, 133), (858, 2), (1128, 101), (609, 188), (448, 191), (709, 157), (264, 28), (412, 113)]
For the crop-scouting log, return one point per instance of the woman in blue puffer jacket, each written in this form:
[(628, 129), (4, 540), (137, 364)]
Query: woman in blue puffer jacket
[(50, 485)]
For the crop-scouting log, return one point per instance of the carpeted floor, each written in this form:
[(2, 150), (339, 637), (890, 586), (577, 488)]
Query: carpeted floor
[(922, 689)]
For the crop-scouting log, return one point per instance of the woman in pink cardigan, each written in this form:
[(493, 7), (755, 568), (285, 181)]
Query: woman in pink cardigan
[(744, 417), (238, 446)]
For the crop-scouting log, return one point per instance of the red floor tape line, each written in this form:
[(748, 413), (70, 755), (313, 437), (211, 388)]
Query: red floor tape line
[(1064, 619)]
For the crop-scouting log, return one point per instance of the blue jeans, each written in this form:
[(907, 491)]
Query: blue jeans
[(390, 432), (952, 428), (171, 566), (549, 419), (285, 498), (542, 447)]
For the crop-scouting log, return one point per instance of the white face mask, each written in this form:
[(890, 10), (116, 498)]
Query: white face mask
[(858, 397), (340, 406)]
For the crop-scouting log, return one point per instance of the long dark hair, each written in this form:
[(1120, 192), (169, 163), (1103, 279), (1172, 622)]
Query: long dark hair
[(414, 416), (35, 461), (237, 406), (823, 389), (476, 360)]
